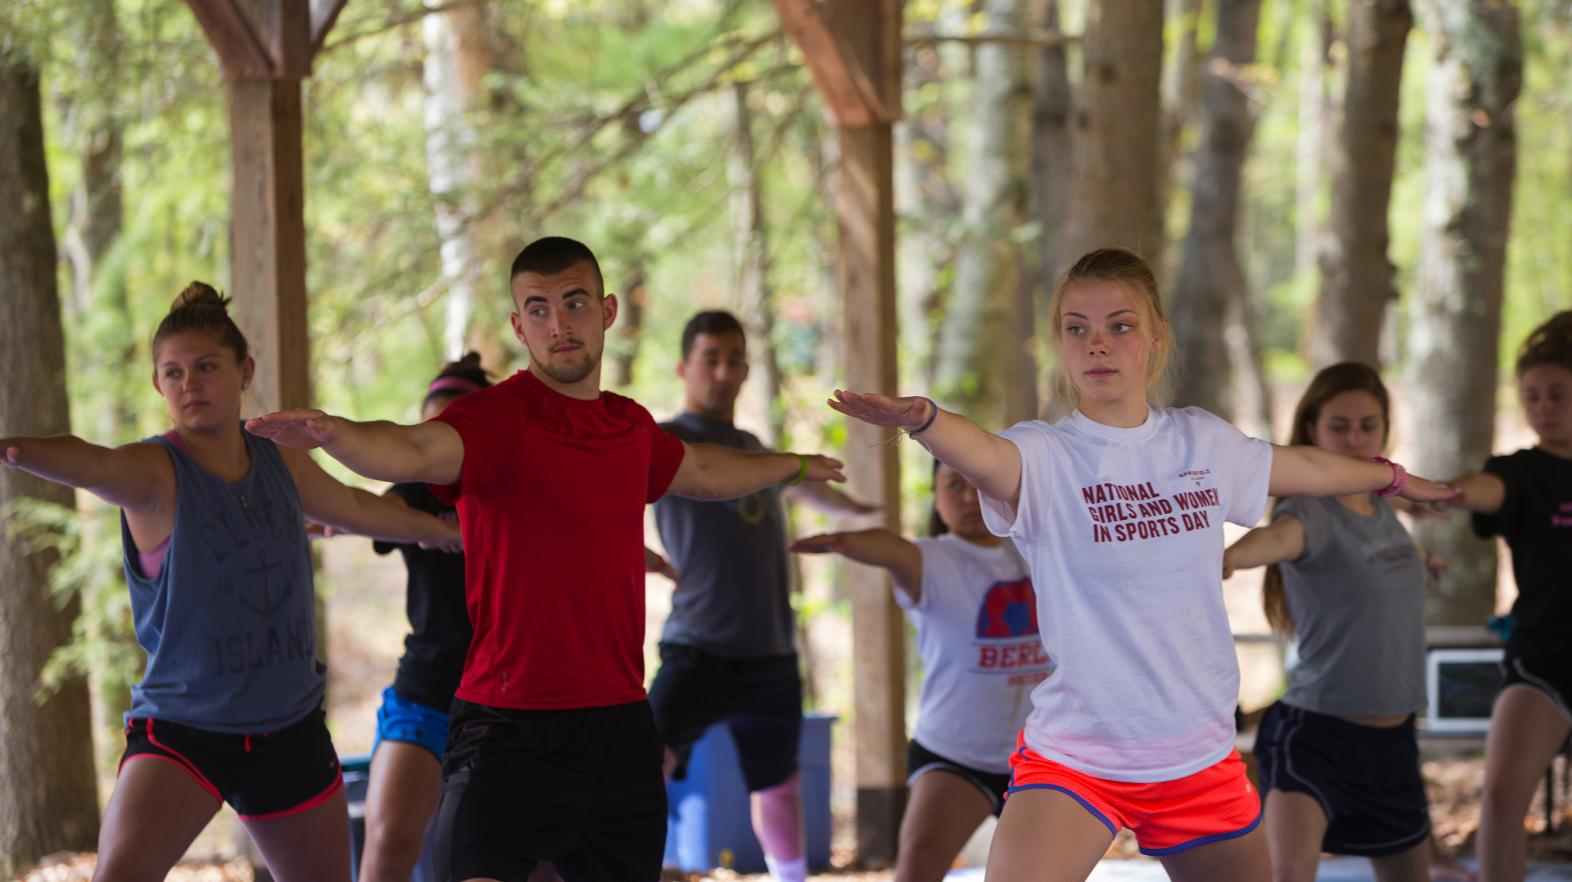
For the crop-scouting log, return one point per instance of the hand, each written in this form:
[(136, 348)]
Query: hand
[(299, 429), (824, 543), (1228, 566), (10, 454), (1420, 490), (822, 468), (449, 539), (315, 530), (1435, 564), (879, 410), (654, 563)]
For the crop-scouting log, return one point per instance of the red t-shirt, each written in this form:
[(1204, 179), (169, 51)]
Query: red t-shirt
[(551, 504)]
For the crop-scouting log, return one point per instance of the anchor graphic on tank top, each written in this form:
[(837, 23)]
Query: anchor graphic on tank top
[(267, 604)]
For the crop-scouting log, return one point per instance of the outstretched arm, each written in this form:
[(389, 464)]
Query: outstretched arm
[(1282, 539), (710, 471), (830, 501), (352, 510), (879, 548), (1480, 492), (1311, 471), (135, 476), (989, 462), (431, 451)]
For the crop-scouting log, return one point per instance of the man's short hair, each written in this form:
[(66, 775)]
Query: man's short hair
[(554, 254), (710, 321)]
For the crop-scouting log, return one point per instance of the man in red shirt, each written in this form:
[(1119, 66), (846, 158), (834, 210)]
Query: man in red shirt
[(552, 752)]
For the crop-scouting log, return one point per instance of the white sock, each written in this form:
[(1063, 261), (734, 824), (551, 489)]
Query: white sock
[(795, 870)]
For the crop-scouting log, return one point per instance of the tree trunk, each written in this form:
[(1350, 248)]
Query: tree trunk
[(48, 794), (755, 299), (1211, 281), (630, 322), (981, 348), (1115, 125), (1356, 276), (1455, 325), (1049, 187), (456, 60), (1181, 88), (1311, 150), (925, 200)]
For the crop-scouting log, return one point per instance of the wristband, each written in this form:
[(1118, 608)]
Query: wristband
[(802, 472), (1399, 477), (932, 415)]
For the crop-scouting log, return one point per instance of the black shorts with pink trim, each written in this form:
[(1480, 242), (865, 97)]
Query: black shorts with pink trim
[(261, 776)]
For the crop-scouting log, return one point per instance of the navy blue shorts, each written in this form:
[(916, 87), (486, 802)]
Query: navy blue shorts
[(1366, 778), (1547, 675), (920, 761), (759, 700), (400, 719), (262, 776)]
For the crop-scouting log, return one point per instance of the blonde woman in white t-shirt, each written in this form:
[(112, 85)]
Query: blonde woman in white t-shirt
[(1118, 509), (970, 596)]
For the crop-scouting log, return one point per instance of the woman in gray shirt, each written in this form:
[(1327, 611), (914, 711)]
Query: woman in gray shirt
[(1338, 756)]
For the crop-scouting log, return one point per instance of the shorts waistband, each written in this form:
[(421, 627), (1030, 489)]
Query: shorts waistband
[(1329, 722)]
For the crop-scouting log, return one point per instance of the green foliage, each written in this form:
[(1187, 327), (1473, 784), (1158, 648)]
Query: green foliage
[(88, 570)]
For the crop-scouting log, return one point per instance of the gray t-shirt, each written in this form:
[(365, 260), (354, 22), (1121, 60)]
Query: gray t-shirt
[(734, 599), (1357, 598)]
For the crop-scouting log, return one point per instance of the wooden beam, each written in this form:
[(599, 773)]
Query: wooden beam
[(866, 215), (268, 237), (231, 33), (849, 87), (324, 14)]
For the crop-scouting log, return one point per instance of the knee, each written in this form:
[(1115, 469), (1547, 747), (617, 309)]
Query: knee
[(394, 841), (1295, 871), (119, 866), (1503, 796)]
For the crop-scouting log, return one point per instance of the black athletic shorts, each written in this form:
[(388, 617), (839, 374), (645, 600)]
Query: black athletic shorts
[(266, 775), (580, 788), (1366, 778), (920, 761), (759, 699), (1549, 675)]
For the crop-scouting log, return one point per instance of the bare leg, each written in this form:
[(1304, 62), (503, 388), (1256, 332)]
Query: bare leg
[(155, 812), (1408, 866), (308, 846), (406, 785), (777, 819), (1295, 826), (1444, 866), (1046, 836), (943, 812), (1243, 859), (1526, 730)]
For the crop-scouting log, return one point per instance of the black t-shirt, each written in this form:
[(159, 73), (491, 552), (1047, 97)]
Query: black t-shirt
[(440, 632), (1536, 521)]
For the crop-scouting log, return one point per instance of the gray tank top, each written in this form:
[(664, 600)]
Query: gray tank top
[(1357, 598), (229, 621)]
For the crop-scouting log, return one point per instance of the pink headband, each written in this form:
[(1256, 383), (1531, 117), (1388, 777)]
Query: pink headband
[(452, 384)]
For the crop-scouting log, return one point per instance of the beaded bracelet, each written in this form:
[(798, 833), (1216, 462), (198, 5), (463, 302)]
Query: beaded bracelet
[(1399, 477), (933, 414)]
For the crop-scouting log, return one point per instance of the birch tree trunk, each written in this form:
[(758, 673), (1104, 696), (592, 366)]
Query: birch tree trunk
[(1049, 188), (1356, 276), (981, 349), (1455, 325), (48, 792)]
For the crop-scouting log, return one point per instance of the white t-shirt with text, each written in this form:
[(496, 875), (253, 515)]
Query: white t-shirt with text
[(1123, 530), (976, 620)]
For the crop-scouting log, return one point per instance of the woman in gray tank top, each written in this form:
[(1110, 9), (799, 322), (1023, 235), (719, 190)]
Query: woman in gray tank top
[(216, 560), (1338, 756)]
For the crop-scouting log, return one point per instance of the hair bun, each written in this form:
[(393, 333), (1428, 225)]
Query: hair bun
[(199, 294), (469, 361)]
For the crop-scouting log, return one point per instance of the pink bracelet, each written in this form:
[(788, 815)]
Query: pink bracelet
[(1399, 477)]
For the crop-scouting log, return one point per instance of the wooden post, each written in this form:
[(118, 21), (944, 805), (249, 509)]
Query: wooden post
[(265, 48), (852, 49)]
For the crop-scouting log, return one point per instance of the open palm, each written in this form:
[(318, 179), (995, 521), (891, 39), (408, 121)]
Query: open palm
[(299, 429), (881, 410)]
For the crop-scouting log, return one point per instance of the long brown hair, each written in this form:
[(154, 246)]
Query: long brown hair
[(1348, 376)]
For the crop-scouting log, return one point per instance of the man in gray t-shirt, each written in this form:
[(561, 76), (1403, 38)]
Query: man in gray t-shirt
[(727, 653)]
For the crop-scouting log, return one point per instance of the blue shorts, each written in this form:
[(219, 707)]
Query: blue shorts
[(399, 719)]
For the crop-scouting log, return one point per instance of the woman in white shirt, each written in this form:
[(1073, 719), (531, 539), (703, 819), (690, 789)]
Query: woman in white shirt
[(1118, 509), (969, 594)]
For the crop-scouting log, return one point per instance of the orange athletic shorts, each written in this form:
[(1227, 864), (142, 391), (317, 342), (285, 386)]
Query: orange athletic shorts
[(1211, 805)]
